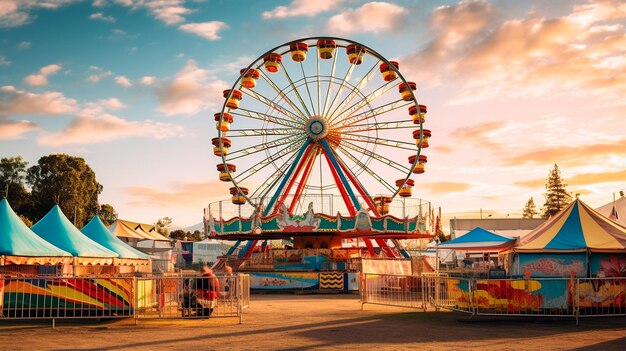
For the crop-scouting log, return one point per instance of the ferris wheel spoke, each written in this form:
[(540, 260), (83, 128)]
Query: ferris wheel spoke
[(354, 92), (368, 99), (263, 117), (376, 126), (382, 159), (295, 90), (330, 85), (262, 147), (375, 112), (263, 191), (292, 147), (306, 83), (363, 166), (342, 85), (262, 132), (319, 84), (283, 96), (379, 141), (273, 105)]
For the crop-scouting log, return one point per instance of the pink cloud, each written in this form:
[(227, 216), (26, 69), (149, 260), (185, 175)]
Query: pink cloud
[(183, 194), (41, 78), (207, 30), (123, 81), (168, 11), (19, 102), (11, 130), (190, 92), (302, 8), (14, 13), (374, 17)]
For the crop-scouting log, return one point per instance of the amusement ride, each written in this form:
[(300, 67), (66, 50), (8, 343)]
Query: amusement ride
[(321, 140)]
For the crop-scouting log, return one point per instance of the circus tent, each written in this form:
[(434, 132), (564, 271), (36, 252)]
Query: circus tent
[(56, 229), (578, 241), (478, 239), (99, 233), (19, 245), (615, 210)]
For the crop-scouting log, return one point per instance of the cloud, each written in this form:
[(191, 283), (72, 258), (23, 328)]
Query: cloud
[(92, 126), (98, 75), (112, 104), (147, 80), (18, 102), (207, 30), (14, 13), (4, 61), (183, 194), (531, 183), (102, 17), (12, 130), (168, 11), (595, 178), (302, 8), (580, 54), (123, 82), (41, 78), (24, 45), (190, 91), (446, 187), (479, 135), (373, 17), (568, 155)]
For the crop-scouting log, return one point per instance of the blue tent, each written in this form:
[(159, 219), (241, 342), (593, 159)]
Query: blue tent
[(478, 239), (97, 232), (56, 229), (18, 241)]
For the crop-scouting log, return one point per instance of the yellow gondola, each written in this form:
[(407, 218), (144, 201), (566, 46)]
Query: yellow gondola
[(326, 48), (272, 62), (406, 189), (233, 101), (224, 124), (238, 197), (388, 73), (225, 171), (425, 138), (405, 90), (355, 54), (418, 117), (298, 51), (420, 166), (382, 204), (249, 77), (219, 151)]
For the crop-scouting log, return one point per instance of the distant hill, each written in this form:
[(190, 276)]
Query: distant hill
[(194, 227)]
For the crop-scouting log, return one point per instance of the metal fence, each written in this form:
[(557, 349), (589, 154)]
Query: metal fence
[(46, 297), (548, 297)]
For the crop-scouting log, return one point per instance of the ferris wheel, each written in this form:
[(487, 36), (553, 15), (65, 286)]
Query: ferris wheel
[(319, 116)]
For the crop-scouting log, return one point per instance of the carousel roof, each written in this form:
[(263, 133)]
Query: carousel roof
[(56, 229), (576, 228), (16, 239), (615, 210), (97, 232)]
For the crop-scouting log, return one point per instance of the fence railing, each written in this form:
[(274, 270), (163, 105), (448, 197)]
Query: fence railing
[(192, 296), (553, 297)]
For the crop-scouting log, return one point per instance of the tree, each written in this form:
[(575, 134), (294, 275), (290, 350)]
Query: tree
[(107, 214), (12, 182), (67, 181), (162, 226), (556, 196), (178, 234), (530, 210)]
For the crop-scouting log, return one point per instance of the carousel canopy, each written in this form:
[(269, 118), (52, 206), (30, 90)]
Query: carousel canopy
[(576, 228), (615, 210), (16, 239), (97, 232), (478, 239), (56, 229), (140, 231)]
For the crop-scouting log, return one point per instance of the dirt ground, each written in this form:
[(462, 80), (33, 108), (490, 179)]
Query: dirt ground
[(307, 322)]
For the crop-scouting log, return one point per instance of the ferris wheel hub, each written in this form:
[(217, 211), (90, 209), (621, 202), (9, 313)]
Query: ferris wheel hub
[(316, 127)]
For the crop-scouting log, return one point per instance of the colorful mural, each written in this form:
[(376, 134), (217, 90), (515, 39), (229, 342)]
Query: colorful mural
[(281, 281), (602, 293), (607, 265), (553, 265), (67, 297)]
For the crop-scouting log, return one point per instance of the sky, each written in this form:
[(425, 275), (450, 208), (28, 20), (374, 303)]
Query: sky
[(512, 87)]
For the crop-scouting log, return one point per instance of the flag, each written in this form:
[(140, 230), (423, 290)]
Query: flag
[(613, 216)]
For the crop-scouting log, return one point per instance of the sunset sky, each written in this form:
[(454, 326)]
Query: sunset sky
[(512, 88)]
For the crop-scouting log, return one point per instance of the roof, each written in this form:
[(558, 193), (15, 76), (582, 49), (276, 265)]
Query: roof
[(56, 229), (478, 239), (128, 229), (16, 239), (97, 232), (619, 216), (576, 228)]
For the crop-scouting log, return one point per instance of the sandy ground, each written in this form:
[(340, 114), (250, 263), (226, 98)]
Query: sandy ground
[(306, 322)]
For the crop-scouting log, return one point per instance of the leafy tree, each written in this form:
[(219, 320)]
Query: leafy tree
[(530, 210), (67, 181), (178, 234), (556, 196), (26, 221), (162, 226), (107, 214), (12, 182)]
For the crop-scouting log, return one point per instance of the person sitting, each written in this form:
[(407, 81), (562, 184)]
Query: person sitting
[(207, 290)]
